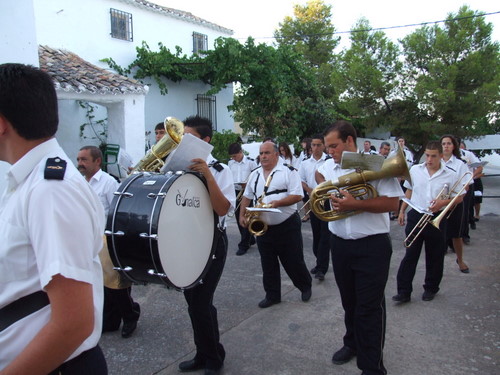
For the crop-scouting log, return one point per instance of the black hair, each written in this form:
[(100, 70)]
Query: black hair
[(160, 126), (344, 128), (234, 148), (456, 145), (434, 145), (95, 152), (202, 125), (28, 100)]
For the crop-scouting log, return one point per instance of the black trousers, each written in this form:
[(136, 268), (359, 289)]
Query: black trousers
[(118, 306), (246, 237), (283, 243), (203, 313), (434, 240), (321, 242), (89, 362), (361, 269)]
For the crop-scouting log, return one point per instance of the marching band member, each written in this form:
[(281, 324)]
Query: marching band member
[(210, 353), (361, 253), (51, 227), (241, 166), (473, 163), (320, 232), (279, 187), (118, 303), (426, 191), (455, 229)]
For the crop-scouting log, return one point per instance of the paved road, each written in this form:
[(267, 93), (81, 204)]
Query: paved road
[(456, 333)]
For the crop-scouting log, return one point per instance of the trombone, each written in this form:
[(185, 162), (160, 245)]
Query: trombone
[(445, 213)]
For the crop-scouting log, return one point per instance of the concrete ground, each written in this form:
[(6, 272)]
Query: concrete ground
[(456, 333)]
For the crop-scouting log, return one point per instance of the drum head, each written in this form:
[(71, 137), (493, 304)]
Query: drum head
[(186, 231)]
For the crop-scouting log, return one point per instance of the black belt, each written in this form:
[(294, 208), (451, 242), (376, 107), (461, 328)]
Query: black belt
[(21, 308)]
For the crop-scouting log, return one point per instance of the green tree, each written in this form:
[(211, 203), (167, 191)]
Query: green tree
[(366, 77), (452, 79)]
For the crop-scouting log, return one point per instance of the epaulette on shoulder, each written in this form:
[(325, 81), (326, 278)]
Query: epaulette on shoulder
[(216, 165), (451, 168), (249, 158), (328, 157), (291, 167), (55, 169), (257, 167)]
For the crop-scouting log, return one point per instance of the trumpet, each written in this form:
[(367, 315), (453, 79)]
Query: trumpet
[(445, 213), (256, 226), (356, 184)]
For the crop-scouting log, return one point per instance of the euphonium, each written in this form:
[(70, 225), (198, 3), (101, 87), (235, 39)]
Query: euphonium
[(153, 161), (256, 226), (356, 184)]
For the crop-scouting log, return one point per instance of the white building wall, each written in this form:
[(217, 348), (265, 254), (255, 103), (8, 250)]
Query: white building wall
[(84, 27)]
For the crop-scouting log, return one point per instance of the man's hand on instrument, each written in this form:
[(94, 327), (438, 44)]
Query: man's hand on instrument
[(200, 166), (346, 202), (243, 221)]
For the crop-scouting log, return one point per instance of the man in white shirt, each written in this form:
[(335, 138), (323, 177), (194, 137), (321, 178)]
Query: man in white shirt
[(367, 148), (321, 235), (118, 303), (361, 254), (51, 227), (241, 166), (278, 186), (385, 149)]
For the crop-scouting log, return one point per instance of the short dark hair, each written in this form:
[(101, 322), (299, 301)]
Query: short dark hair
[(434, 145), (344, 128), (234, 148), (28, 100), (202, 125), (160, 126), (384, 143), (318, 136), (95, 152)]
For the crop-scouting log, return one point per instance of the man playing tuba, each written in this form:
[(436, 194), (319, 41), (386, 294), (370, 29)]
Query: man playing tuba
[(361, 253), (277, 186)]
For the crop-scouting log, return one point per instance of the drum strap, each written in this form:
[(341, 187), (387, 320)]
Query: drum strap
[(22, 307)]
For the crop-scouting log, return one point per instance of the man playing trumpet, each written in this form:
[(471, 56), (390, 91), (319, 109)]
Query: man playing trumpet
[(426, 190), (277, 186), (361, 254)]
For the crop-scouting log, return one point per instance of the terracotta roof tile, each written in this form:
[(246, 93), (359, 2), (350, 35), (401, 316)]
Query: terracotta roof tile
[(71, 73)]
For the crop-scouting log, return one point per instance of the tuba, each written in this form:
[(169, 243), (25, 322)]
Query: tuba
[(153, 160), (356, 184)]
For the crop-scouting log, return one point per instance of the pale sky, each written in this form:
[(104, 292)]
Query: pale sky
[(259, 18)]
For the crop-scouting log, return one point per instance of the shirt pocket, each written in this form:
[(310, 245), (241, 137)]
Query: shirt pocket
[(14, 250)]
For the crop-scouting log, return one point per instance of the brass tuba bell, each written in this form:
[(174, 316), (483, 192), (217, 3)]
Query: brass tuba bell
[(356, 184), (154, 159)]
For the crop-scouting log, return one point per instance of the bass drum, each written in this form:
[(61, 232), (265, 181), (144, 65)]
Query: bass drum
[(161, 229)]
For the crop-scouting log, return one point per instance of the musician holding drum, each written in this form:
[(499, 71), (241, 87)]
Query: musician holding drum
[(210, 353), (429, 189), (118, 302), (361, 253), (277, 186)]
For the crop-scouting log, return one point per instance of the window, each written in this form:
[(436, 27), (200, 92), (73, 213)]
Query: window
[(207, 108), (200, 42), (121, 25)]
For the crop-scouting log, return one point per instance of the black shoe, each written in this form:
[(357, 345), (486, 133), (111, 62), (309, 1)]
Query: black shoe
[(428, 296), (209, 371), (128, 328), (267, 303), (473, 225), (344, 355), (306, 295), (191, 365), (313, 270), (320, 276), (241, 252), (401, 298)]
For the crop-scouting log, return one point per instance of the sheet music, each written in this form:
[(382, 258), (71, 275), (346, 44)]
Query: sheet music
[(190, 148), (355, 160), (479, 164), (415, 207), (259, 209)]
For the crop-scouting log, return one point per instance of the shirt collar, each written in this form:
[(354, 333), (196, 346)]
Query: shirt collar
[(97, 176), (24, 166)]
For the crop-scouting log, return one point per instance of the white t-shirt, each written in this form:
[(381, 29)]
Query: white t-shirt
[(47, 227)]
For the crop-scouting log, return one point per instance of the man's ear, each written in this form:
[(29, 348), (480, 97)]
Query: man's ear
[(4, 124), (207, 139)]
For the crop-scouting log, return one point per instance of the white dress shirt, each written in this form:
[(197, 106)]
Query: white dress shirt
[(47, 227), (241, 170), (283, 179), (224, 180), (366, 223), (105, 186), (307, 170)]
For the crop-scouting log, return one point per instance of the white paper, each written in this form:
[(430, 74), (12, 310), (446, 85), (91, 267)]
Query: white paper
[(479, 164), (259, 209), (190, 148), (415, 207)]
